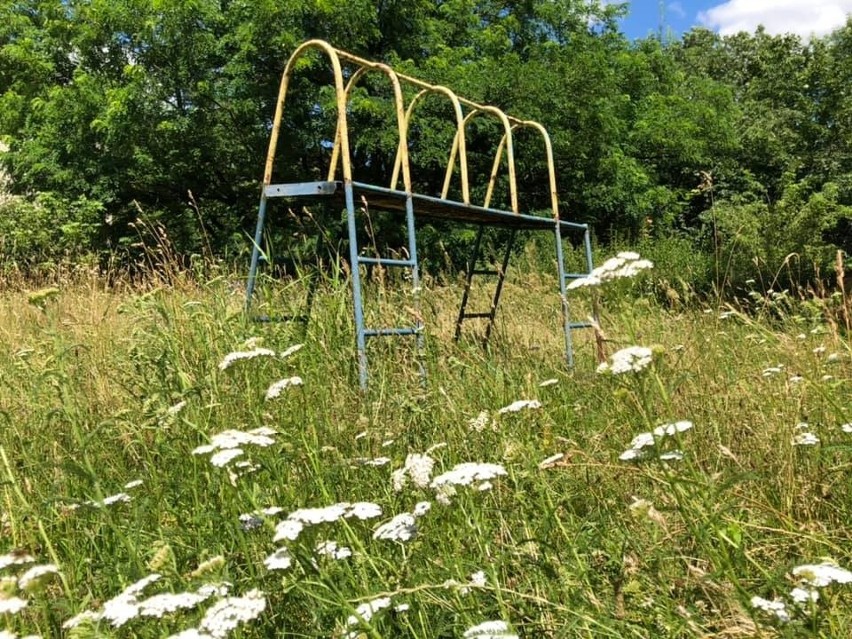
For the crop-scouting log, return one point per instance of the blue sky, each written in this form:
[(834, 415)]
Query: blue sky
[(803, 17)]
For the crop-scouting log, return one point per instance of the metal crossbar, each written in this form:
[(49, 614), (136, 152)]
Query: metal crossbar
[(346, 192)]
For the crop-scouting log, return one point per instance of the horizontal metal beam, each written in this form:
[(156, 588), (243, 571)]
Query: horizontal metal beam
[(300, 189), (381, 332), (383, 261)]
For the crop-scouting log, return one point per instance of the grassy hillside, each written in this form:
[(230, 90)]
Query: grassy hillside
[(552, 533)]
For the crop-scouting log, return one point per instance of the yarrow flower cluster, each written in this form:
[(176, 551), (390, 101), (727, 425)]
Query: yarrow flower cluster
[(228, 445), (811, 577), (417, 470), (490, 630), (292, 526), (632, 359), (520, 405), (278, 387), (626, 264), (364, 613), (466, 474), (640, 447), (14, 588), (804, 436), (402, 527)]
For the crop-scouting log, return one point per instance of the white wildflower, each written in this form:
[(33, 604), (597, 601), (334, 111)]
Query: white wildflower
[(387, 442), (333, 550), (631, 359), (628, 255), (167, 603), (421, 508), (401, 608), (12, 605), (133, 484), (468, 473), (846, 428), (417, 468), (401, 528), (672, 429), (86, 615), (833, 357), (632, 454), (480, 422), (486, 485), (236, 356), (172, 411), (776, 607), (520, 405), (478, 579), (295, 348), (672, 455), (325, 514), (805, 439), (796, 379), (642, 440), (288, 529), (365, 611), (363, 510), (549, 462), (279, 560), (376, 461), (490, 630), (548, 382), (229, 613), (36, 576), (15, 559), (804, 595), (224, 457), (821, 575), (278, 387)]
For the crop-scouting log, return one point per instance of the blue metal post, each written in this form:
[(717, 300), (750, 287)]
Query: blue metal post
[(415, 281), (255, 252), (587, 240), (563, 294), (360, 338)]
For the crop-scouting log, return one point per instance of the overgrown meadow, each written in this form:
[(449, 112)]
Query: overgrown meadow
[(172, 469)]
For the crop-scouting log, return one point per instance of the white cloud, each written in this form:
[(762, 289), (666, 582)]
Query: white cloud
[(677, 9), (802, 17)]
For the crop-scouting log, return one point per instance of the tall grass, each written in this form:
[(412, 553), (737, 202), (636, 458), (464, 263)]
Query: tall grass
[(100, 387)]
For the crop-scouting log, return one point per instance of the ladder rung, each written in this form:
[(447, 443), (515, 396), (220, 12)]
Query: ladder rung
[(383, 261), (484, 271), (475, 315), (381, 332), (573, 325), (575, 276)]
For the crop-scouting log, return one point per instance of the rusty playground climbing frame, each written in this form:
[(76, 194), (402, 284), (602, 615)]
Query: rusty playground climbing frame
[(347, 191)]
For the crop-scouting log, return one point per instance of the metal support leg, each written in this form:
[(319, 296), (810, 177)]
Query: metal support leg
[(357, 301), (563, 293), (255, 252), (415, 284)]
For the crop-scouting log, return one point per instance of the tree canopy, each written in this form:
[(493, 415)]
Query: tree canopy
[(114, 106)]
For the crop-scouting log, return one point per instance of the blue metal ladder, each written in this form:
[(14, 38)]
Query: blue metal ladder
[(568, 325)]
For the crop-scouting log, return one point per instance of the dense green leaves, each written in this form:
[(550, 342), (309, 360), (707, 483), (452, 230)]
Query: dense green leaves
[(164, 106)]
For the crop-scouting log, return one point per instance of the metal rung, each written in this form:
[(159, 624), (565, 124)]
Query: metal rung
[(381, 332), (580, 325), (575, 276), (485, 272), (476, 315), (382, 261)]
